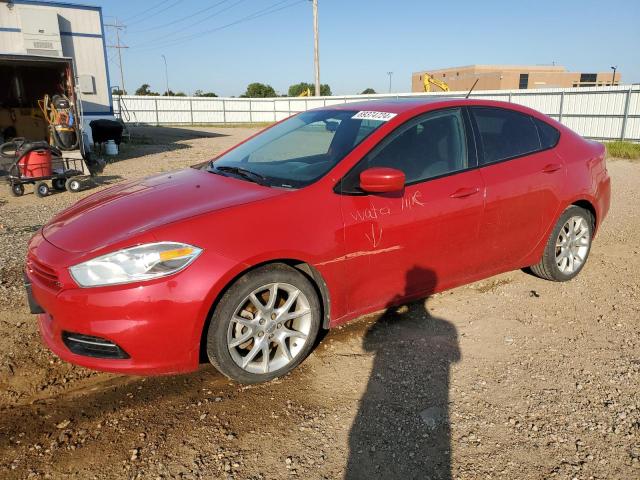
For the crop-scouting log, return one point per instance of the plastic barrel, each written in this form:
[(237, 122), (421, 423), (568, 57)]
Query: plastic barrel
[(36, 163), (111, 148)]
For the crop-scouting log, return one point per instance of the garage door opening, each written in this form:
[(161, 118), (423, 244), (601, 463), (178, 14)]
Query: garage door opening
[(25, 83)]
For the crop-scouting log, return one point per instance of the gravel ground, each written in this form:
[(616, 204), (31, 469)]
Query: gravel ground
[(511, 377)]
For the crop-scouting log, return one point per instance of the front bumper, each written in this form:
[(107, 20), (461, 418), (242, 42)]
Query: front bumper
[(158, 323)]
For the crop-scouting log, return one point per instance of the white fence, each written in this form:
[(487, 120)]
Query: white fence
[(605, 113)]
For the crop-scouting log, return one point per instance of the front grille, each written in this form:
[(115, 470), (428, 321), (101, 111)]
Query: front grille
[(44, 273), (90, 346)]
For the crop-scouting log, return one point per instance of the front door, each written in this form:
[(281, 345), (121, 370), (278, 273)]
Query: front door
[(422, 238)]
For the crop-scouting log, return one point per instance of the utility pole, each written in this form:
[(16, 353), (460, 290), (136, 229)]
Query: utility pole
[(118, 27), (166, 72), (316, 54), (390, 75)]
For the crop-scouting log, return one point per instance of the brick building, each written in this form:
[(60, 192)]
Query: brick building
[(510, 77)]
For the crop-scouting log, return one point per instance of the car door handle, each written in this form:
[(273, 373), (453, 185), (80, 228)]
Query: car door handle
[(552, 167), (464, 192)]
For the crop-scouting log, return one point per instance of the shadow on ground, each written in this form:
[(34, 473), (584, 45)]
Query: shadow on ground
[(149, 140), (402, 426), (171, 134), (145, 140)]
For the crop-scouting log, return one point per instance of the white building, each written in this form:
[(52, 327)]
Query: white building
[(54, 39)]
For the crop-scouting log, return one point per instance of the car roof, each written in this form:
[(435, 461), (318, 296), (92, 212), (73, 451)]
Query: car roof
[(417, 105), (407, 104)]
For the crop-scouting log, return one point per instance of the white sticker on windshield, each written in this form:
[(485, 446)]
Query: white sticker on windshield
[(371, 115)]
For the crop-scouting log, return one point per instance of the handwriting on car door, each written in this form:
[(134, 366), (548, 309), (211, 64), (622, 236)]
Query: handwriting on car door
[(375, 212)]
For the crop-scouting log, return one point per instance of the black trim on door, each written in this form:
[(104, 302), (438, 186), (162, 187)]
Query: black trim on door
[(472, 150), (478, 137)]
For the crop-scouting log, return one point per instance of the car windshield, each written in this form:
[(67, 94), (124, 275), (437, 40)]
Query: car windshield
[(297, 151)]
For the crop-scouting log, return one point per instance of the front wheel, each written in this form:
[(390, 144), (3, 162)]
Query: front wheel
[(568, 246), (42, 189), (17, 189), (264, 325)]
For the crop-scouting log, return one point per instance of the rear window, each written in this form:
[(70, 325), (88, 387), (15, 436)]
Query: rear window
[(548, 135), (505, 133)]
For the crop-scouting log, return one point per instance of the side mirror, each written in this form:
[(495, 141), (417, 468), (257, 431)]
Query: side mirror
[(382, 180)]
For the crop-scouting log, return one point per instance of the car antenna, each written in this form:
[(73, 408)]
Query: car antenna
[(472, 87)]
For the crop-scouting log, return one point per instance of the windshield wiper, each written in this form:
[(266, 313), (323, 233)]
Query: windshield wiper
[(244, 173)]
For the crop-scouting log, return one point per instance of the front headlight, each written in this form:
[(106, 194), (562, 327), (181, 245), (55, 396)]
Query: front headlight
[(135, 264)]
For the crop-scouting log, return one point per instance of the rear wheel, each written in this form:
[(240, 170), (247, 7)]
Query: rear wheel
[(264, 325), (73, 185), (58, 184), (42, 189), (568, 246)]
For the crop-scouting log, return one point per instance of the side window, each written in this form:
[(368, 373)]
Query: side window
[(548, 135), (505, 133), (425, 147)]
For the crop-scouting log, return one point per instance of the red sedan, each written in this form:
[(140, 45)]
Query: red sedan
[(321, 218)]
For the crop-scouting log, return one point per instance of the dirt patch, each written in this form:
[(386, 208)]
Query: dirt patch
[(511, 377), (491, 285)]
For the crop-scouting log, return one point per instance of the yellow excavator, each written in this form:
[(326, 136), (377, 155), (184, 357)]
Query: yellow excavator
[(305, 93), (427, 80)]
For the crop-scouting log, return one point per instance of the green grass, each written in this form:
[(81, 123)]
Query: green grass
[(628, 150)]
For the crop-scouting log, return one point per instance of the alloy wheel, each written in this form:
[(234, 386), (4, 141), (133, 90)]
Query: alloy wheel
[(572, 244), (269, 328)]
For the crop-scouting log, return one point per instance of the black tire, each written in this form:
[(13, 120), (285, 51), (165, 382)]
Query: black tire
[(73, 185), (59, 184), (42, 189), (548, 268), (17, 189), (218, 350)]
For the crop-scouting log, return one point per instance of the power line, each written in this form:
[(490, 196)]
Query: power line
[(159, 4), (156, 13), (173, 22), (190, 26), (257, 14), (208, 17)]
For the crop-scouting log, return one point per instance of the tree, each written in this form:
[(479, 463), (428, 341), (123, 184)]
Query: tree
[(259, 90), (146, 90), (297, 89), (171, 93), (118, 91), (200, 93), (368, 91)]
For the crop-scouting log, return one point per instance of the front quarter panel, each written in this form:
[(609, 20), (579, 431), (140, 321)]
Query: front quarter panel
[(302, 225)]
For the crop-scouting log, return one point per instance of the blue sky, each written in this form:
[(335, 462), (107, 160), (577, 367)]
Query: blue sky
[(361, 40)]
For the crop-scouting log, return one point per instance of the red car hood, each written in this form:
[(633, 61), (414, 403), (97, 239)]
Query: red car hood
[(133, 207)]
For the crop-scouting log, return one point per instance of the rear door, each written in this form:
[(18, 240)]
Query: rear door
[(523, 177)]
